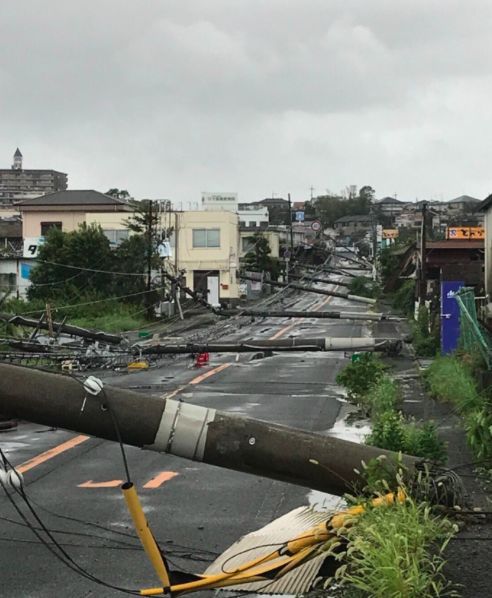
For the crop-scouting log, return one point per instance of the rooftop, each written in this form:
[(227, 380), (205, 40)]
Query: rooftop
[(464, 198), (73, 197)]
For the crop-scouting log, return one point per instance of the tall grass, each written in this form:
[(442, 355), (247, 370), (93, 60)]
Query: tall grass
[(450, 379), (109, 315), (397, 551)]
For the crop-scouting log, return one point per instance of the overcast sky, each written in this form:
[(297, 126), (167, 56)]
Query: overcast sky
[(168, 98)]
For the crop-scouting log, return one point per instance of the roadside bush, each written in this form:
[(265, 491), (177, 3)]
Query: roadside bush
[(425, 342), (363, 287), (404, 298), (382, 397), (359, 376), (423, 441), (478, 426), (397, 550), (391, 432), (388, 432)]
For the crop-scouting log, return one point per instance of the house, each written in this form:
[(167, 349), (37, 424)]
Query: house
[(411, 217), (207, 249), (390, 206), (348, 225), (278, 210), (67, 210), (463, 203)]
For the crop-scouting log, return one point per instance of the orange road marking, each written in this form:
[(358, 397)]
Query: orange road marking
[(216, 370), (47, 455), (160, 479), (282, 331), (109, 484)]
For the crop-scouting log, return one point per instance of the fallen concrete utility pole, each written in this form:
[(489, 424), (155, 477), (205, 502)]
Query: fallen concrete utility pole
[(61, 327), (308, 278), (300, 287), (284, 344), (335, 315), (363, 265), (190, 431)]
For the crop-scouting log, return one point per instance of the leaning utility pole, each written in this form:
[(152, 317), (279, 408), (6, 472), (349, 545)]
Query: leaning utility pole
[(291, 231), (190, 431), (423, 265), (150, 252)]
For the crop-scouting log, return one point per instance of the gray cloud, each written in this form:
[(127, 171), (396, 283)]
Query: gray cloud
[(168, 98)]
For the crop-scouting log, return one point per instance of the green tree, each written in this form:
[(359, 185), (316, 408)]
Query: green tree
[(259, 259), (118, 193), (86, 248)]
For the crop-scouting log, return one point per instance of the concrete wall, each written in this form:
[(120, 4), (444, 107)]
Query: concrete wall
[(31, 221), (108, 220), (224, 258)]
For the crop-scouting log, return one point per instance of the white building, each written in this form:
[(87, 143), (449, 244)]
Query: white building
[(214, 202), (252, 215)]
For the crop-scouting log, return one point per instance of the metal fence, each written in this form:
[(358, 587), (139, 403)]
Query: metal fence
[(473, 337)]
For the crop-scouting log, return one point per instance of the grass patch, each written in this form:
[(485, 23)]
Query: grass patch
[(451, 379), (373, 391), (89, 312), (391, 432), (397, 550)]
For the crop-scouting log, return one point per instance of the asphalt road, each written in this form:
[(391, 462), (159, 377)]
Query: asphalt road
[(196, 511)]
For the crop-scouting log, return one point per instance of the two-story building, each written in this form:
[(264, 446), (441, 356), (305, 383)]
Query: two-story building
[(348, 225), (67, 210), (207, 248)]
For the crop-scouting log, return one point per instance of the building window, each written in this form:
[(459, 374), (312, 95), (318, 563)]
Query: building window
[(46, 226), (116, 236), (206, 237)]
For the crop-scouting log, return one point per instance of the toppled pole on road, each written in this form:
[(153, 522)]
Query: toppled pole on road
[(335, 315), (190, 431), (300, 287), (61, 327), (278, 345), (310, 279)]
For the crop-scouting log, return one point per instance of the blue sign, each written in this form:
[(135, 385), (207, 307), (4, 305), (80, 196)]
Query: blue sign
[(299, 216), (25, 269), (450, 316)]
